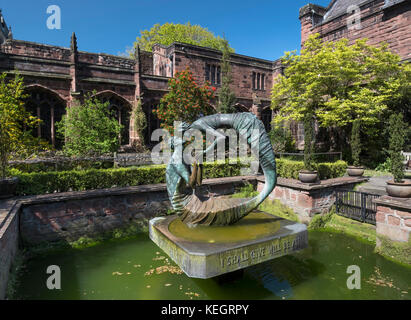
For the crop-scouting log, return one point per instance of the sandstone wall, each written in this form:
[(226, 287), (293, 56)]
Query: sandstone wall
[(71, 215), (378, 23), (9, 234)]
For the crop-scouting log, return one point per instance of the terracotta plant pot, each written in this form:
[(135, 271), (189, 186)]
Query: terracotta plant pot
[(8, 187), (306, 176), (399, 189), (355, 171)]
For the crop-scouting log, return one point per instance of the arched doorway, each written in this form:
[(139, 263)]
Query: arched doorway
[(267, 117), (49, 107), (121, 110), (153, 122)]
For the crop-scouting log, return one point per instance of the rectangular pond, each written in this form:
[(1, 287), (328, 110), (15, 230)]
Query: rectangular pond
[(138, 269)]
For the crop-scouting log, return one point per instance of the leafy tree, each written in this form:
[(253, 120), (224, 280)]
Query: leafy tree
[(168, 33), (15, 121), (356, 143), (226, 98), (89, 128), (338, 83), (186, 101), (397, 130)]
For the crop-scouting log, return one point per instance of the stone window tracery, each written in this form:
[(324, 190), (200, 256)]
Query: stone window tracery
[(258, 81), (213, 74)]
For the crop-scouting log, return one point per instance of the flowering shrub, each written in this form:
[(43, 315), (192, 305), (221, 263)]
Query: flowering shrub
[(186, 100)]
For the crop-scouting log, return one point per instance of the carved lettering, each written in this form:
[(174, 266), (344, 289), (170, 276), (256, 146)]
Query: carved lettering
[(263, 252)]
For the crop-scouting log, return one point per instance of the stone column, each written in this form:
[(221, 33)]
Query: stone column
[(137, 72), (39, 125), (74, 92), (52, 129), (256, 107)]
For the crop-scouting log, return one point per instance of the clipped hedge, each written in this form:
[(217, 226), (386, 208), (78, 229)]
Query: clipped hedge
[(66, 164), (78, 180), (326, 170)]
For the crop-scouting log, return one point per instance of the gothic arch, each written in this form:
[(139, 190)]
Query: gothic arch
[(267, 117), (121, 108), (51, 91), (49, 106), (153, 122), (110, 93)]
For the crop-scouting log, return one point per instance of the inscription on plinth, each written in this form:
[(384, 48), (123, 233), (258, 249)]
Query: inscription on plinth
[(265, 251), (206, 258)]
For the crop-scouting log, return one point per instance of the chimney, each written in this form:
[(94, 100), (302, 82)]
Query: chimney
[(310, 16)]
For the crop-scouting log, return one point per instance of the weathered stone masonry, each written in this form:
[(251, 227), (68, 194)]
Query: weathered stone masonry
[(306, 200), (9, 235), (56, 76), (71, 215), (394, 218), (380, 20)]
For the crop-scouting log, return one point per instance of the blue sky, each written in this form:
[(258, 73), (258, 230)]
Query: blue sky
[(263, 29)]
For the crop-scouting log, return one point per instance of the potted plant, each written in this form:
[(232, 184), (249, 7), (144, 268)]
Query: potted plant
[(14, 120), (398, 187), (355, 170), (308, 175)]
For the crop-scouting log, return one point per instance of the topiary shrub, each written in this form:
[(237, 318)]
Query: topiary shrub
[(326, 170), (308, 141), (397, 129), (355, 143)]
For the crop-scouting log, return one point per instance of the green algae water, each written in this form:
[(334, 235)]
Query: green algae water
[(138, 269)]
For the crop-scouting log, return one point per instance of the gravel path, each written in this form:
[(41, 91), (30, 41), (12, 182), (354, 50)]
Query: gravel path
[(375, 185)]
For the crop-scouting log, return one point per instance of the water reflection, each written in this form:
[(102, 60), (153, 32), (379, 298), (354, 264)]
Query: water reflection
[(122, 270)]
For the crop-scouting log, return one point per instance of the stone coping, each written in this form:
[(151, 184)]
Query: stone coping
[(322, 184), (204, 259), (387, 201), (7, 205)]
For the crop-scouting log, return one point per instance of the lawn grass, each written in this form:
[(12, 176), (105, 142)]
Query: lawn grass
[(360, 230), (375, 173)]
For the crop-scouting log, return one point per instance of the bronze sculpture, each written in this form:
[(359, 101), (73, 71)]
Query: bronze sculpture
[(196, 209)]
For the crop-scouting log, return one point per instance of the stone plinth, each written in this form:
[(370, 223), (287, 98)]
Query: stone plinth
[(206, 252), (308, 199), (394, 218)]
